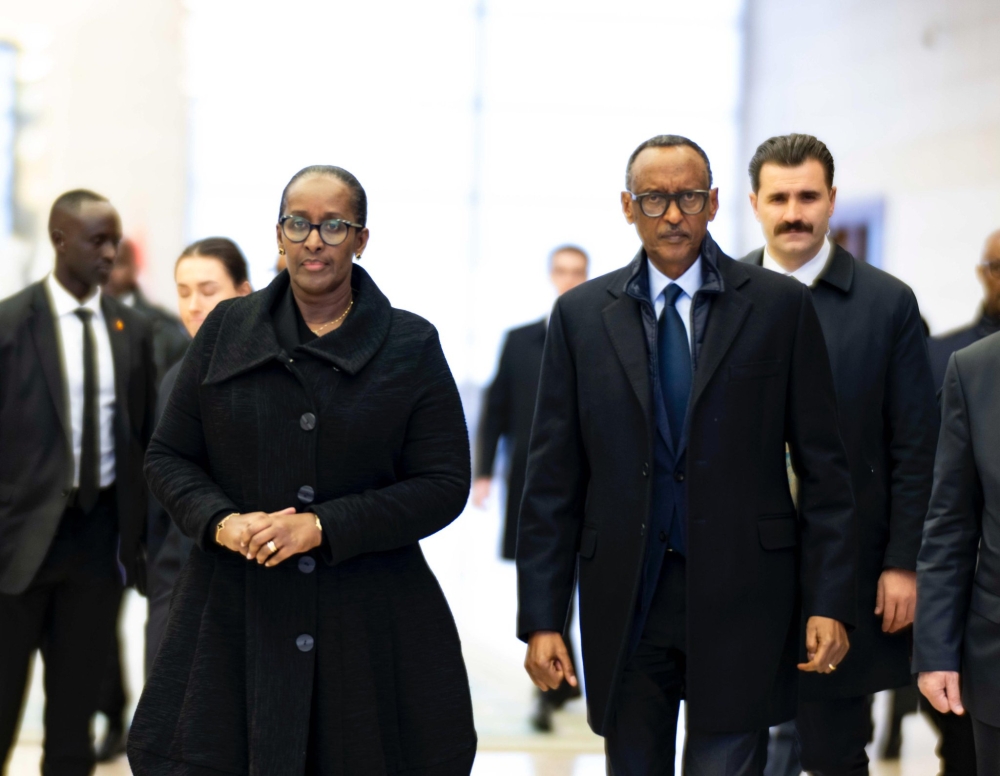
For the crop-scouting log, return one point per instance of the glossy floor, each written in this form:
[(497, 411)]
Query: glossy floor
[(481, 592)]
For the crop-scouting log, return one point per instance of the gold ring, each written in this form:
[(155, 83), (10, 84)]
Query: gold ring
[(271, 546), (832, 667)]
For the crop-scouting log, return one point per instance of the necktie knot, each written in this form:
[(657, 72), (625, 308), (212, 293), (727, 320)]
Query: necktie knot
[(672, 293), (84, 314)]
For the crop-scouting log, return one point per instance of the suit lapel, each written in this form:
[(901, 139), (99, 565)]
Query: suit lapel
[(47, 345), (729, 310), (623, 321), (121, 354)]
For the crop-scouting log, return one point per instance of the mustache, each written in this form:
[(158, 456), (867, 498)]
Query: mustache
[(793, 226)]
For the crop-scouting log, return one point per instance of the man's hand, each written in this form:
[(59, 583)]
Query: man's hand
[(291, 533), (942, 689), (896, 599), (826, 645), (481, 487), (547, 661)]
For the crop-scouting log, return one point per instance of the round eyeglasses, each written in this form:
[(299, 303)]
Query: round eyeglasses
[(332, 231), (654, 204)]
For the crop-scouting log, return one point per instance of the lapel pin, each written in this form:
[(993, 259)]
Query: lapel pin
[(120, 325)]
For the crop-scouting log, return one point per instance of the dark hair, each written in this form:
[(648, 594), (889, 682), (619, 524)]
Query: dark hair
[(666, 141), (223, 249), (791, 151), (358, 196), (569, 247), (70, 202)]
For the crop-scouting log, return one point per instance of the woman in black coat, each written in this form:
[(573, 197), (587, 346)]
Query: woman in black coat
[(314, 436)]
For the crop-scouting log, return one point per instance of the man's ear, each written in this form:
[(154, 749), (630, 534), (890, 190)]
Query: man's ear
[(753, 205), (627, 203), (58, 239)]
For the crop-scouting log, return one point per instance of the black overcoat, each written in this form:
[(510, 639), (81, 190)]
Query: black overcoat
[(36, 458), (349, 651), (888, 422), (762, 378), (508, 407)]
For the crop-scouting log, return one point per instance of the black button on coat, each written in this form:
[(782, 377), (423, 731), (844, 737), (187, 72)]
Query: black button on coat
[(381, 688)]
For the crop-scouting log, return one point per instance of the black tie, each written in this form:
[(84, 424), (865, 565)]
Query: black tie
[(675, 363), (89, 478)]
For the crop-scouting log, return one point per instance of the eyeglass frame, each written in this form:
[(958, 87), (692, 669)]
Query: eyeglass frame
[(992, 267), (672, 198), (317, 227)]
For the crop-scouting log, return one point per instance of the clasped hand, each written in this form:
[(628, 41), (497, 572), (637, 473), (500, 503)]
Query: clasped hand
[(292, 533)]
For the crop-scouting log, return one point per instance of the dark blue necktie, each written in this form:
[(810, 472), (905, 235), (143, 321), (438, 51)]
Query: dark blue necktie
[(675, 362)]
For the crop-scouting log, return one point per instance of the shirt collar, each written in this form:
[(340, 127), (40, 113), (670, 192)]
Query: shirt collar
[(64, 303), (689, 282), (809, 272)]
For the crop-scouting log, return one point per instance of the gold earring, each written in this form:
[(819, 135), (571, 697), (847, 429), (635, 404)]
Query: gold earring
[(358, 257), (281, 251)]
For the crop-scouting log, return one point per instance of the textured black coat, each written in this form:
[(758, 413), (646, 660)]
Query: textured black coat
[(36, 460), (349, 651), (761, 379), (888, 422), (508, 407)]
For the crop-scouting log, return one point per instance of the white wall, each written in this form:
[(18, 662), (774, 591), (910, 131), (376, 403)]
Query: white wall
[(906, 93), (101, 107)]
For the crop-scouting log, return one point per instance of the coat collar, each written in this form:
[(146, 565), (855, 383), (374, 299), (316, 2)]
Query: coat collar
[(246, 337), (839, 271), (633, 280)]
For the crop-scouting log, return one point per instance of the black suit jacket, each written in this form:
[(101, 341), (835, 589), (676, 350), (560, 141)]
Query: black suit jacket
[(170, 339), (942, 347), (508, 407), (36, 460), (888, 423), (958, 573), (762, 379)]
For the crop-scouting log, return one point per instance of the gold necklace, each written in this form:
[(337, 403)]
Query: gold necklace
[(335, 320)]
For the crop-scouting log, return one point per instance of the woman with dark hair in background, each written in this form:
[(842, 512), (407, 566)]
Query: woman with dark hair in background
[(314, 436), (208, 271)]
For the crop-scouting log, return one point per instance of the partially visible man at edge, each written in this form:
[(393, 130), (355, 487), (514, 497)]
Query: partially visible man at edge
[(207, 272), (885, 395), (942, 346), (508, 407), (669, 391)]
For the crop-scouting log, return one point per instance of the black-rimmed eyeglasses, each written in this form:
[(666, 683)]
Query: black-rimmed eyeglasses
[(332, 231), (654, 204)]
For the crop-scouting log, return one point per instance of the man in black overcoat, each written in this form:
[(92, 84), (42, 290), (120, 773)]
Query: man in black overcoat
[(887, 414), (508, 407), (957, 629), (988, 323), (669, 391), (76, 412)]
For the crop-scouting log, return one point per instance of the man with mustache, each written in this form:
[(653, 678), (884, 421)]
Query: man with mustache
[(76, 413), (888, 419), (656, 470)]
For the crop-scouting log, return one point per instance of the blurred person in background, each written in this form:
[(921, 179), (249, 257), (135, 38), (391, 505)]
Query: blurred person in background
[(77, 394), (170, 341), (988, 270), (208, 271), (313, 437), (508, 407), (669, 390), (957, 629), (886, 412)]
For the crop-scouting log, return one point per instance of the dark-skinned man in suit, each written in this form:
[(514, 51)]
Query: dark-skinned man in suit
[(508, 407), (957, 628), (669, 391), (76, 412), (887, 415)]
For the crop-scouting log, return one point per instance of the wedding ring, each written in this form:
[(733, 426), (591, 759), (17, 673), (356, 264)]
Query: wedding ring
[(273, 548), (833, 667)]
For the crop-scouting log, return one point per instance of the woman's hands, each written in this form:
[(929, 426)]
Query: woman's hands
[(290, 533)]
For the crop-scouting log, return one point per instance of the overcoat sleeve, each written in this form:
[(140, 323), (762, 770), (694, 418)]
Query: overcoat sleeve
[(827, 515), (551, 517), (177, 459), (910, 412), (433, 474), (494, 421), (947, 562)]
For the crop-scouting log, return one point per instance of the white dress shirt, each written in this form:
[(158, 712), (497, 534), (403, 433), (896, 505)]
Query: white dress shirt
[(69, 329), (689, 282), (809, 272)]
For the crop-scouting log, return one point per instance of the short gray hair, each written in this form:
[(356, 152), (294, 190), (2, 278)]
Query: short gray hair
[(666, 141)]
